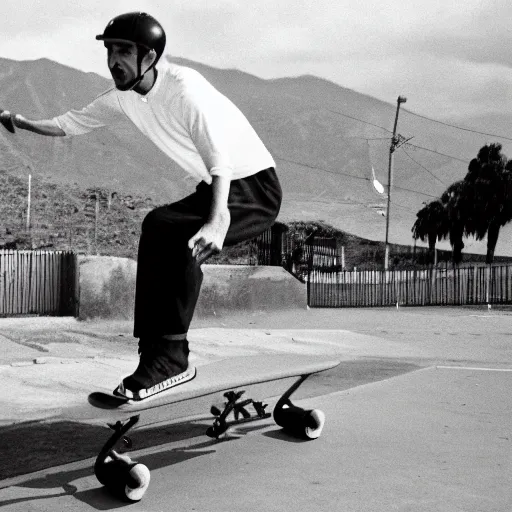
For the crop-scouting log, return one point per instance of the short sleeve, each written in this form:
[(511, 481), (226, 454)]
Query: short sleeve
[(103, 111), (205, 117)]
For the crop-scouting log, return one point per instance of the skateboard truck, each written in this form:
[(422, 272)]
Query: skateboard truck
[(119, 429), (302, 423), (120, 474), (220, 423)]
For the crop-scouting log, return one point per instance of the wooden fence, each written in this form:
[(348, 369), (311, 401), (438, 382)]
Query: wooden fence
[(450, 286), (39, 283)]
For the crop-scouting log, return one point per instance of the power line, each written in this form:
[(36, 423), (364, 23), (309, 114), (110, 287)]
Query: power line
[(403, 207), (366, 138), (459, 127), (415, 192), (336, 173), (423, 167), (417, 115), (334, 112), (386, 138), (428, 119), (357, 119), (438, 153)]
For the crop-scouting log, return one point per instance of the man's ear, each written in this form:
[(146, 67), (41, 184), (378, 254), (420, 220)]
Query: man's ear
[(149, 58)]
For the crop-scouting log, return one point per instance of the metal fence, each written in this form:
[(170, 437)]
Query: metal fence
[(39, 283), (269, 247), (450, 285)]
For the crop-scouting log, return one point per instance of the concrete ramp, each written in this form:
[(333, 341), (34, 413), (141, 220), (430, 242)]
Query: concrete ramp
[(107, 288)]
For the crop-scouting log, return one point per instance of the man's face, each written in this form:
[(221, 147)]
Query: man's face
[(122, 62)]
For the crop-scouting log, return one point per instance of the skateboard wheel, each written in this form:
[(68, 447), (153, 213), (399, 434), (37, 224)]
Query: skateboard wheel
[(216, 432), (137, 482), (123, 477), (315, 423), (299, 422)]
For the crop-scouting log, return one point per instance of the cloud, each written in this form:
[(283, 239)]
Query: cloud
[(480, 34), (451, 58), (59, 30)]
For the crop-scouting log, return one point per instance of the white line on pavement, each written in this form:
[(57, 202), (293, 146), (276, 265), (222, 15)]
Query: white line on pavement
[(474, 369)]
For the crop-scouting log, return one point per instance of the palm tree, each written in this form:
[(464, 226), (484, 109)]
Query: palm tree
[(489, 178), (431, 225), (458, 202)]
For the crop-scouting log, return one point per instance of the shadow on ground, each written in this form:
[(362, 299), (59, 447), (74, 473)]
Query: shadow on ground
[(34, 446), (62, 483), (31, 447)]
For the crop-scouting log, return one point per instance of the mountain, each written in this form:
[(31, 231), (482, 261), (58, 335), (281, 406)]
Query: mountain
[(325, 139)]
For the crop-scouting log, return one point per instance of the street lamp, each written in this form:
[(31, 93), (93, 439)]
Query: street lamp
[(394, 143), (377, 185)]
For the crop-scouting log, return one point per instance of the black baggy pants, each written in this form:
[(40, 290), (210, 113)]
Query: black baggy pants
[(168, 278)]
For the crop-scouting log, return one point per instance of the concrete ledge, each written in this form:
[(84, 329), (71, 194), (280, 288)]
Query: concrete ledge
[(107, 288), (249, 288)]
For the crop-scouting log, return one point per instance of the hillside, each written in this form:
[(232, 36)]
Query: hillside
[(64, 218), (99, 221), (313, 127)]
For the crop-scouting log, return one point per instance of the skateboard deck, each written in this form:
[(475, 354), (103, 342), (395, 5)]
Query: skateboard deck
[(261, 377), (271, 372)]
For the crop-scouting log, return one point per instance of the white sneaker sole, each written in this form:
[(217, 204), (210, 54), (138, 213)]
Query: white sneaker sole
[(147, 394)]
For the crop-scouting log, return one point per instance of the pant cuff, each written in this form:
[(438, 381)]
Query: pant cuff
[(175, 337)]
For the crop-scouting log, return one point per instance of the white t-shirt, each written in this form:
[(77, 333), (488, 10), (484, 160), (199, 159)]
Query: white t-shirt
[(187, 118)]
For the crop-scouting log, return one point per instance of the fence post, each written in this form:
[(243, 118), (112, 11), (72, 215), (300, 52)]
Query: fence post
[(76, 288), (507, 282), (432, 281), (475, 283), (487, 283), (308, 287)]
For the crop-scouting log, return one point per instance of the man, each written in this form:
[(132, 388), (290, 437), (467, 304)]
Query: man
[(238, 196)]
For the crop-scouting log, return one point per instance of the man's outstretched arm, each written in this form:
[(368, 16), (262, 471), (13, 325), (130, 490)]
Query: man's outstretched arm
[(44, 127)]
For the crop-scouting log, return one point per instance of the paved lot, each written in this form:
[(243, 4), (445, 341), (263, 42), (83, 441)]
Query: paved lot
[(418, 416)]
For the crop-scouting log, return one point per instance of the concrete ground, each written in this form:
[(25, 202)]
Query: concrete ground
[(418, 415)]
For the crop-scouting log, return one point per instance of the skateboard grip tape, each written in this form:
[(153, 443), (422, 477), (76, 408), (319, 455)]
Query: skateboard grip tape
[(300, 422)]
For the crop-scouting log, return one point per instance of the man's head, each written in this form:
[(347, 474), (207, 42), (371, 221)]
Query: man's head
[(135, 42), (128, 63)]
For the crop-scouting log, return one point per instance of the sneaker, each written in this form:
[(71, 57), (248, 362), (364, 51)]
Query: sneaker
[(162, 365)]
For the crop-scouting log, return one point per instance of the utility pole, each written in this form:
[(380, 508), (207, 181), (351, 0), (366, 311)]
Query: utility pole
[(96, 217), (394, 144), (29, 200)]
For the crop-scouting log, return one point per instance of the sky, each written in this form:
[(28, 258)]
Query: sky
[(451, 59)]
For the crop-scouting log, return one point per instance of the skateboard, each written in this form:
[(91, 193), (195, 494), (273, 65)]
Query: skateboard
[(233, 390)]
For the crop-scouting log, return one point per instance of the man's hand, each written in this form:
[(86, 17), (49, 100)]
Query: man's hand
[(6, 118), (210, 238)]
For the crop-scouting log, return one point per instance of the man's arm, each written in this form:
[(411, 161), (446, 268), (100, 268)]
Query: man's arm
[(103, 111), (220, 194), (44, 127), (210, 238)]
